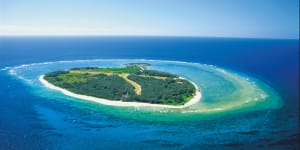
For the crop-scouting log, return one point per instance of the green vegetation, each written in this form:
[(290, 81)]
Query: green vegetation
[(156, 73), (168, 91), (129, 69), (131, 83), (100, 85)]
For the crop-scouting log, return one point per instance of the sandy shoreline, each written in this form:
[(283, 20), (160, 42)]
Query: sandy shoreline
[(193, 101)]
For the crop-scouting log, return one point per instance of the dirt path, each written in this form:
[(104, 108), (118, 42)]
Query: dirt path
[(137, 87)]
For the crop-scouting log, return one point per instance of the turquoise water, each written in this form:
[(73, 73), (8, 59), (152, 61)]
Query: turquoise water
[(223, 91)]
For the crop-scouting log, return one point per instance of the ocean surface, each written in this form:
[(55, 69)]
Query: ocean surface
[(250, 93)]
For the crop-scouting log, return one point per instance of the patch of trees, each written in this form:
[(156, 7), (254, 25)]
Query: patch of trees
[(84, 68), (170, 91), (102, 86), (56, 73), (156, 73)]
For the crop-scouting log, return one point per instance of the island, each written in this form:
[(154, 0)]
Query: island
[(132, 85)]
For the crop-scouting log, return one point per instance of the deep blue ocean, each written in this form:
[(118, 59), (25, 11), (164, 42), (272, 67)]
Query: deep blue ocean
[(28, 121)]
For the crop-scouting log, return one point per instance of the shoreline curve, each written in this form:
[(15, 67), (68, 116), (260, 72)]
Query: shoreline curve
[(191, 102)]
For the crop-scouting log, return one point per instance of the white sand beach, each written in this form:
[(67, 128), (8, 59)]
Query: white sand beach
[(191, 102)]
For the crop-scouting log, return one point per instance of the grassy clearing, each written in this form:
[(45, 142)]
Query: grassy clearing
[(90, 72), (156, 77), (129, 69)]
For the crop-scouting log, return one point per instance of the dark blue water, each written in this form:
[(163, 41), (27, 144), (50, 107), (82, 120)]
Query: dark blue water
[(31, 122)]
